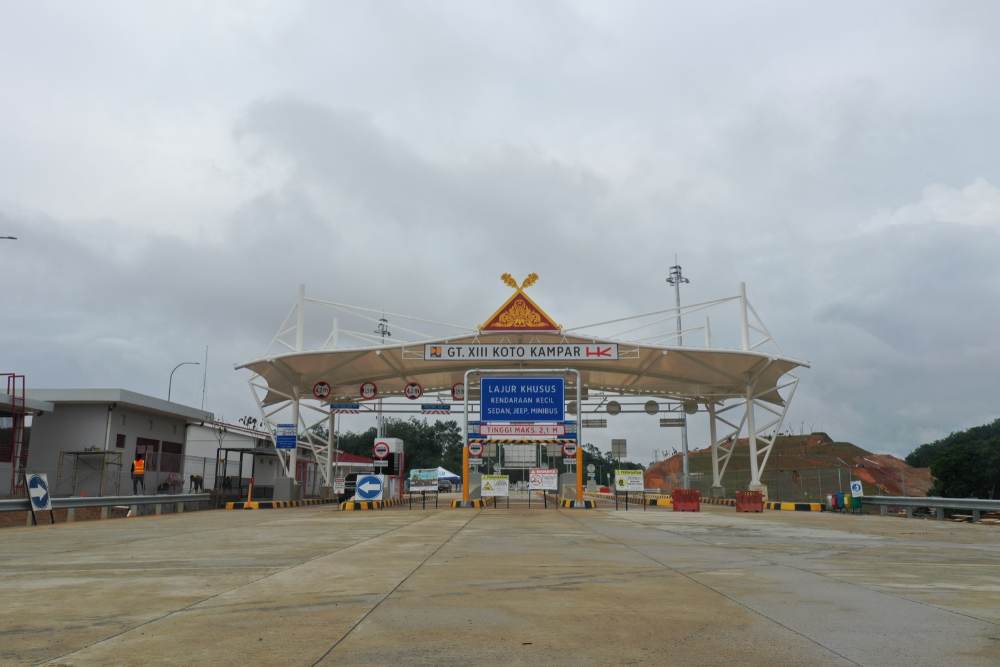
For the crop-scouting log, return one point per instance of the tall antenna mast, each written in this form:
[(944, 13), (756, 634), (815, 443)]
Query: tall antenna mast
[(382, 329), (676, 278)]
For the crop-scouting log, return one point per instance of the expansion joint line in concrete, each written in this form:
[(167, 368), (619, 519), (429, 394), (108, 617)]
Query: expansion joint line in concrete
[(710, 588), (394, 589), (230, 590)]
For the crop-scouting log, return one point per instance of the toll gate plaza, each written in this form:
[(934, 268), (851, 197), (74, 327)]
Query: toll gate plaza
[(320, 586), (531, 560)]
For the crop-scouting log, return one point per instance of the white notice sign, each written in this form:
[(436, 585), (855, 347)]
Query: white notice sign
[(543, 479), (495, 486), (538, 352), (629, 480)]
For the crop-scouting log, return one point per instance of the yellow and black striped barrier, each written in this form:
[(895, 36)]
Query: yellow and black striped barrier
[(276, 504), (351, 505), (476, 503), (795, 507), (566, 503)]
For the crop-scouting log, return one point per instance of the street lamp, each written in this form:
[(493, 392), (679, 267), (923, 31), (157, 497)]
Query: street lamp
[(170, 385)]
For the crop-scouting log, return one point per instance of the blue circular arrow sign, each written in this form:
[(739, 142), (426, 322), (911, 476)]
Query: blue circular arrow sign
[(369, 487), (38, 490)]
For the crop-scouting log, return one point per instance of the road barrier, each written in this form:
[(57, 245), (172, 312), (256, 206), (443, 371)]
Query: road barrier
[(276, 504), (74, 503), (686, 500), (749, 501), (974, 505), (351, 505), (795, 507)]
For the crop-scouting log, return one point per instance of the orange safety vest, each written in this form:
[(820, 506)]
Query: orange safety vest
[(139, 467)]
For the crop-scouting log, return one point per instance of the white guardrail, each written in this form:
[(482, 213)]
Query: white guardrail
[(909, 503)]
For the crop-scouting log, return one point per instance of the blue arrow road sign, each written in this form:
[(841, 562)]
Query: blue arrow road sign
[(38, 489), (369, 487)]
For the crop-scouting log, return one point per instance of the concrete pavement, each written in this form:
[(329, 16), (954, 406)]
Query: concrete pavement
[(317, 586)]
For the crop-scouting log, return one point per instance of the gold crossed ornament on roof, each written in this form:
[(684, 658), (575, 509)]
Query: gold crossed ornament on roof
[(519, 312)]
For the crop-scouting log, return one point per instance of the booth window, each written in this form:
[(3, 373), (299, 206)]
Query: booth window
[(171, 456), (120, 441)]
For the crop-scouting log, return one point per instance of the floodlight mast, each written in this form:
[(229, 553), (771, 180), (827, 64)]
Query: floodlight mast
[(676, 278), (382, 329)]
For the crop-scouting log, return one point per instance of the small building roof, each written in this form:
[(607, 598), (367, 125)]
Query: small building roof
[(31, 406), (57, 397)]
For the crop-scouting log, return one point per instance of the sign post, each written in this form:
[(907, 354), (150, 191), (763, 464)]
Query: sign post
[(628, 480), (496, 486), (284, 436), (37, 484), (369, 487)]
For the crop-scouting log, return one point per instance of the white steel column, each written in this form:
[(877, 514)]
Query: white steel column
[(329, 450), (752, 440), (713, 440), (292, 453)]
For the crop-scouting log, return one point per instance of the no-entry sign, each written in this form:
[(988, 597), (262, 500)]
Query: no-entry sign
[(569, 449), (475, 449), (381, 449)]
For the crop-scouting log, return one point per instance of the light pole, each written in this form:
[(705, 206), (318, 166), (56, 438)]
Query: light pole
[(676, 278), (170, 385), (383, 331)]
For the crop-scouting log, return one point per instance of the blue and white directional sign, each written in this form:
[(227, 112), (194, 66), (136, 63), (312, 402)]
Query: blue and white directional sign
[(857, 490), (38, 491), (284, 436), (522, 399), (369, 487)]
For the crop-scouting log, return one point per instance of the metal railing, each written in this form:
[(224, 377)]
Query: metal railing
[(909, 503), (74, 503)]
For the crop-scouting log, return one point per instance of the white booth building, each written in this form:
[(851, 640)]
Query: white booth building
[(87, 443)]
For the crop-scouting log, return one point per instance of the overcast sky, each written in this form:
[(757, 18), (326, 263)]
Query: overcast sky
[(175, 169)]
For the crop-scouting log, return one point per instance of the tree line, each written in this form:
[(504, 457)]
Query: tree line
[(964, 464)]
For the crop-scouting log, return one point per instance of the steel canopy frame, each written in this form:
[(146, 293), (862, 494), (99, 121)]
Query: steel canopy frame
[(754, 399)]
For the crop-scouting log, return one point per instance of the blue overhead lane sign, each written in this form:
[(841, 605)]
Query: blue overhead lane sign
[(522, 399)]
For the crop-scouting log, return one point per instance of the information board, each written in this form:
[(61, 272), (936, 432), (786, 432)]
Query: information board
[(543, 479), (629, 480), (495, 486), (424, 479), (522, 399), (284, 436)]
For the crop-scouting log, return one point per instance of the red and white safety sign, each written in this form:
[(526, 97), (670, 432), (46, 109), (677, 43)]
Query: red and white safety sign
[(569, 449), (381, 449)]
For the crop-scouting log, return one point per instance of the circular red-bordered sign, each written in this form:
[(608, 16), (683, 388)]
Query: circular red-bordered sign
[(381, 449), (458, 391), (368, 390), (475, 449), (413, 391), (569, 449), (322, 390)]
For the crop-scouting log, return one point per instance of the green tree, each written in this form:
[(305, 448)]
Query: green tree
[(964, 464), (426, 444)]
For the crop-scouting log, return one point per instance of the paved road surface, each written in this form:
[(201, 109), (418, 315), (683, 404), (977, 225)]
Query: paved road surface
[(456, 587)]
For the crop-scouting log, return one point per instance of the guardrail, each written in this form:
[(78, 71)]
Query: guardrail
[(73, 503), (975, 505)]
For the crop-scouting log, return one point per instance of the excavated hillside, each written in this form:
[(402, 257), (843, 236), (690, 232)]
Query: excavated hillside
[(800, 466)]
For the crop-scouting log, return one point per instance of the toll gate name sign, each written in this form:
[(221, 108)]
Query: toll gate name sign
[(536, 352), (522, 399)]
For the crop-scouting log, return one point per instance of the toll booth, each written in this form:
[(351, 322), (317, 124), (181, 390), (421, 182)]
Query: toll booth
[(236, 467)]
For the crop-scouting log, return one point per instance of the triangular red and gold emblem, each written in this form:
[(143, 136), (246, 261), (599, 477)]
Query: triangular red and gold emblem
[(519, 312)]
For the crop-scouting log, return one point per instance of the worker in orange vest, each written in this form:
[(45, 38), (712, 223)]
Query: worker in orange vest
[(138, 474)]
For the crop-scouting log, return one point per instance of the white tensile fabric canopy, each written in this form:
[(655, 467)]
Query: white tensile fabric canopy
[(643, 370)]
